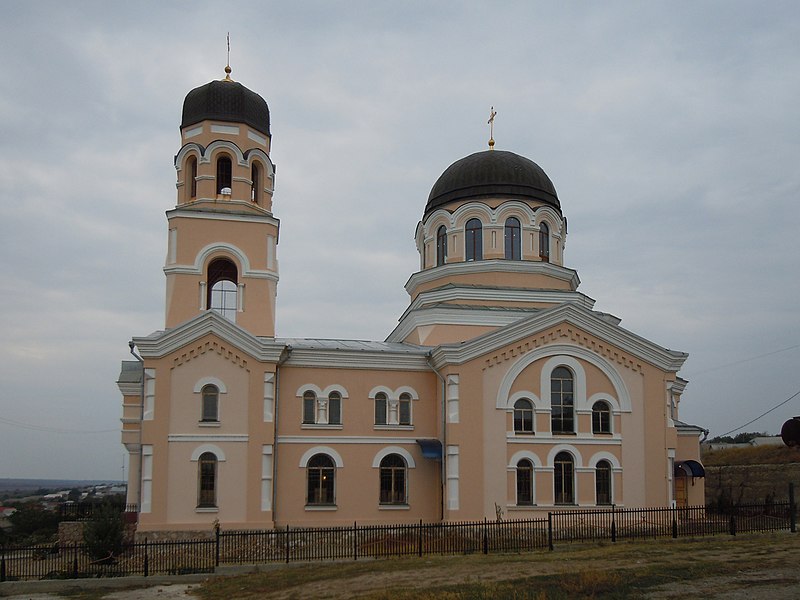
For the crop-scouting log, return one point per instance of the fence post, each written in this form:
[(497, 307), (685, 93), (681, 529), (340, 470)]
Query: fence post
[(419, 539), (355, 540), (287, 543), (75, 560), (485, 536), (674, 521), (613, 523), (733, 525), (146, 560), (550, 531), (792, 509), (216, 544), (2, 563)]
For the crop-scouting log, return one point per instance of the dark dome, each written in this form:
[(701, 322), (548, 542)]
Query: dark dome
[(492, 174), (226, 101)]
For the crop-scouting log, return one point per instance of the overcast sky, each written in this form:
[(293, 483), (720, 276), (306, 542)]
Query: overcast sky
[(670, 131)]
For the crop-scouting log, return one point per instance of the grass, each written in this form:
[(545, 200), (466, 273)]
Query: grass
[(755, 455), (625, 570)]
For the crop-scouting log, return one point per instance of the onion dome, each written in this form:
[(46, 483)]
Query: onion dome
[(492, 174), (226, 100)]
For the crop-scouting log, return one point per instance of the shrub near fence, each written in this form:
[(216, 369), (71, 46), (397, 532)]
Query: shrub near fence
[(378, 541)]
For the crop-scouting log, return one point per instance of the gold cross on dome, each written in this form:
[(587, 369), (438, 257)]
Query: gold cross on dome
[(492, 115)]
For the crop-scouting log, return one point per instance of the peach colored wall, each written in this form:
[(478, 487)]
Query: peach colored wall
[(512, 280)]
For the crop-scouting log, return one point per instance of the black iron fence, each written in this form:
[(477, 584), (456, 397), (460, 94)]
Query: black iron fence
[(378, 541)]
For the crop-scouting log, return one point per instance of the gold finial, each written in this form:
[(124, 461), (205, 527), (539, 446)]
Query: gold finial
[(492, 115), (228, 66)]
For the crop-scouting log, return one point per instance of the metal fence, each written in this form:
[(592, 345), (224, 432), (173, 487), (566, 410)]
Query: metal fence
[(379, 541)]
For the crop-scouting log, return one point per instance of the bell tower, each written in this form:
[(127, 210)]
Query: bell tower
[(221, 251)]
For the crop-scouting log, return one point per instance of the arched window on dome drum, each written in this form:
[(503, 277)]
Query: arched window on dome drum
[(321, 474), (393, 480), (544, 242), (192, 177), (564, 479), (255, 176), (441, 246), (473, 240), (524, 482), (207, 480), (224, 177), (222, 288), (513, 239), (602, 482)]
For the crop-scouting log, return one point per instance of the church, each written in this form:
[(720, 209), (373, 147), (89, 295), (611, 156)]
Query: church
[(500, 393)]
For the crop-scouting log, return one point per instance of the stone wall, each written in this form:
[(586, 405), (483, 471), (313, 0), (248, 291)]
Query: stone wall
[(751, 483)]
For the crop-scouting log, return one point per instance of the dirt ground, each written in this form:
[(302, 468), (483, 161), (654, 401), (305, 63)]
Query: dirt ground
[(732, 568)]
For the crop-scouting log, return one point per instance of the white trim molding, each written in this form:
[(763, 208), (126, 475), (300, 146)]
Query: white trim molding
[(308, 454), (384, 452)]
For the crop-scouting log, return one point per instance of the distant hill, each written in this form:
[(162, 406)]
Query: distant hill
[(31, 485)]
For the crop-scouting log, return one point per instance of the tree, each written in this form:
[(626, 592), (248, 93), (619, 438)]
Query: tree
[(33, 524), (103, 535)]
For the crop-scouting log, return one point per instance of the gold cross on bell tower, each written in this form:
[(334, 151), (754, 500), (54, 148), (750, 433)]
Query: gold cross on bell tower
[(492, 115)]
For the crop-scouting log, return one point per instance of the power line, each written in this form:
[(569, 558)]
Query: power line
[(47, 429), (793, 396), (744, 360)]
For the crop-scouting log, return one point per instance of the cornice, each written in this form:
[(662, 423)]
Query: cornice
[(662, 358), (530, 267), (162, 343), (210, 209), (453, 292)]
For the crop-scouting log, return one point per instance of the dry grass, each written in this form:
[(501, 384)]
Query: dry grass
[(756, 455), (623, 570)]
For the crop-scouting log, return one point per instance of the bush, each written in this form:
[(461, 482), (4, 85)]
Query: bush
[(103, 535), (32, 524)]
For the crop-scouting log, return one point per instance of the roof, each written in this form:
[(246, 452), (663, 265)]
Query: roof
[(353, 345), (492, 174), (226, 100)]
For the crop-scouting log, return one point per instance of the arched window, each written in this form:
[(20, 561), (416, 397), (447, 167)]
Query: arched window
[(224, 178), (602, 482), (309, 407), (523, 416), (381, 408), (544, 241), (524, 482), (255, 176), (334, 408), (441, 246), (321, 475), (210, 412), (192, 176), (513, 239), (564, 479), (222, 287), (601, 417), (207, 480), (473, 240), (393, 480), (404, 409), (562, 401)]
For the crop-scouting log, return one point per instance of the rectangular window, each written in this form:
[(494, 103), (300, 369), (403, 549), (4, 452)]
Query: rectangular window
[(309, 407), (405, 411), (334, 410)]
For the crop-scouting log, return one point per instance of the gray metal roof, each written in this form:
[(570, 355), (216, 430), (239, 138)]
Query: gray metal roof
[(131, 372), (352, 345)]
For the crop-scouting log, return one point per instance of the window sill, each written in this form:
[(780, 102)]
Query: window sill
[(206, 509), (319, 426), (603, 433), (394, 507), (566, 433), (393, 428), (524, 433), (321, 507), (521, 506), (209, 424)]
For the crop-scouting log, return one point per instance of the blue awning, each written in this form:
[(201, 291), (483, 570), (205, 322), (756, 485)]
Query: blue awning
[(692, 468), (431, 448)]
